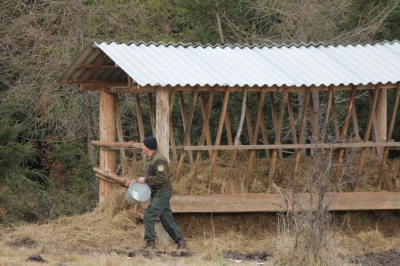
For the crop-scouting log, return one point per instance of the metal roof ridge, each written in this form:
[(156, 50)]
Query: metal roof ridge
[(251, 46)]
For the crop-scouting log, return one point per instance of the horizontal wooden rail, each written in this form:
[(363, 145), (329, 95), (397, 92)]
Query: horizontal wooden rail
[(117, 145), (292, 146), (114, 177), (137, 145), (349, 201)]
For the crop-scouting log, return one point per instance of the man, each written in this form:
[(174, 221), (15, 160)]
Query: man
[(156, 175)]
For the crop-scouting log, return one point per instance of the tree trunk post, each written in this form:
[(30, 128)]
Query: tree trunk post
[(108, 103), (162, 135), (381, 114)]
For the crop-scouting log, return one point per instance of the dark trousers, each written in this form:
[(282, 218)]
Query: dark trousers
[(160, 208)]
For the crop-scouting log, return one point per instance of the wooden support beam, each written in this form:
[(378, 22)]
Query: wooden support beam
[(151, 114), (278, 132), (248, 120), (366, 139), (344, 134), (381, 115), (140, 117), (91, 72), (292, 119), (389, 137), (274, 116), (327, 112), (162, 122), (228, 125), (335, 119), (217, 203), (107, 132), (355, 124), (218, 139), (302, 130), (171, 127), (120, 135), (124, 87), (206, 115), (260, 115), (186, 137), (187, 122)]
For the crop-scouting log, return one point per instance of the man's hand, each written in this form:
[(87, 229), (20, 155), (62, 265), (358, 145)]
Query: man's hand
[(142, 180), (128, 183)]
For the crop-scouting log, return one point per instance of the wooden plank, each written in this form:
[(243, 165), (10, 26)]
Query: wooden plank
[(351, 201)]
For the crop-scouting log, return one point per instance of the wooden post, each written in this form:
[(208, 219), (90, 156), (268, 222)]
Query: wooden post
[(108, 103), (162, 135), (381, 113), (162, 122)]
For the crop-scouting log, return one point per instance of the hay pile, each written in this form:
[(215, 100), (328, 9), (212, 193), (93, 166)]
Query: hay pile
[(113, 226)]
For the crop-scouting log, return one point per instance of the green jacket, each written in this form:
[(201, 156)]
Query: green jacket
[(156, 171)]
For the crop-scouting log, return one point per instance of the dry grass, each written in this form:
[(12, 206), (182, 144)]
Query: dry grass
[(106, 235)]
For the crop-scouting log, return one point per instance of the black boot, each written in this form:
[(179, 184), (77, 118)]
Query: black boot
[(181, 244), (150, 244)]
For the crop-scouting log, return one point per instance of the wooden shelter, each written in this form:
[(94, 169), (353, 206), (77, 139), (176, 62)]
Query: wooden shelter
[(211, 78)]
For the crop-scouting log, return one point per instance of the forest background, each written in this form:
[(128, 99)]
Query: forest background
[(46, 129)]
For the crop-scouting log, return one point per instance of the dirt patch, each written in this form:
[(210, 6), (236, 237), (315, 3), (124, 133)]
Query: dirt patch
[(152, 254), (388, 258), (257, 257), (23, 242)]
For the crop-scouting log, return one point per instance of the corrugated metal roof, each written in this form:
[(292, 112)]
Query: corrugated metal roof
[(159, 64)]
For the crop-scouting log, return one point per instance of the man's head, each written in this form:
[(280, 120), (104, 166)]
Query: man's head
[(150, 143)]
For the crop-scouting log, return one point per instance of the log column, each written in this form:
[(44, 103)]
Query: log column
[(381, 115), (108, 104), (162, 122), (162, 135)]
